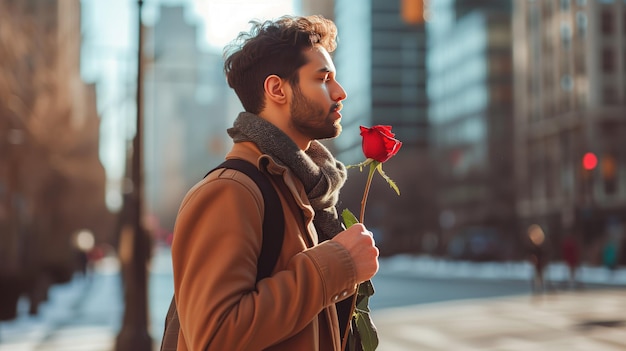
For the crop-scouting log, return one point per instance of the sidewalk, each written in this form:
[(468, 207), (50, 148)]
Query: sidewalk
[(85, 315)]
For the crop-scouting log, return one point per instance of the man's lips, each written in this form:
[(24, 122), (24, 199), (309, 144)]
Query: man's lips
[(336, 108)]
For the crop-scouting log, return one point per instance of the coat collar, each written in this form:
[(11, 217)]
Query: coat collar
[(250, 152)]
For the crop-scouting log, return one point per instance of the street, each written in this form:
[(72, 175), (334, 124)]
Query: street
[(587, 321), (416, 307), (400, 290), (397, 290)]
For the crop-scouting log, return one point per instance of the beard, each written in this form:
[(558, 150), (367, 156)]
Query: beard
[(312, 119)]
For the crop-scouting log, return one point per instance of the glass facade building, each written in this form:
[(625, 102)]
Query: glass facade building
[(470, 113)]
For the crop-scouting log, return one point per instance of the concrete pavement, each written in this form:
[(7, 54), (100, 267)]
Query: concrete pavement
[(560, 319), (85, 315), (582, 320)]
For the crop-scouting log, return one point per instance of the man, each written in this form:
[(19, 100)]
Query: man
[(283, 74)]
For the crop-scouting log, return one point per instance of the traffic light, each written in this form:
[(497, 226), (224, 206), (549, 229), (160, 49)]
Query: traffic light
[(590, 161), (412, 11)]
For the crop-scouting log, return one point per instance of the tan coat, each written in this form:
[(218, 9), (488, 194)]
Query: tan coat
[(217, 241)]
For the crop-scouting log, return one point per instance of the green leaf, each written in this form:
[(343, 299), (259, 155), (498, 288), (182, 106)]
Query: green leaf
[(389, 181), (367, 331), (363, 304), (361, 317), (361, 165), (349, 219), (351, 342), (366, 288)]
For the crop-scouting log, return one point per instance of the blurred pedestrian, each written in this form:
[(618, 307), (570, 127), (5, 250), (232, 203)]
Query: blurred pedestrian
[(537, 256), (38, 291), (82, 261), (571, 255), (93, 257), (610, 256), (285, 78)]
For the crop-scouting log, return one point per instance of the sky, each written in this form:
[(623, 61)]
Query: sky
[(225, 18), (109, 52)]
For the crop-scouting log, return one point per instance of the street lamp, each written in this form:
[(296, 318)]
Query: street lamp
[(134, 240), (10, 267)]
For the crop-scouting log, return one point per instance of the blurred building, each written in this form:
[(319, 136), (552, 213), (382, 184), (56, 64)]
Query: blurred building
[(471, 117), (325, 8), (570, 92), (380, 62), (51, 179), (188, 107)]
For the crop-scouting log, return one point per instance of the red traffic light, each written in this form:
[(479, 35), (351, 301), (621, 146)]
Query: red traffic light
[(590, 161)]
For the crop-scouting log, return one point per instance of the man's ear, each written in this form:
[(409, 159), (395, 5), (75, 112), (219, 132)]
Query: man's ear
[(275, 89)]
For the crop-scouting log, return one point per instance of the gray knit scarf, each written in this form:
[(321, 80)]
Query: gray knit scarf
[(320, 173)]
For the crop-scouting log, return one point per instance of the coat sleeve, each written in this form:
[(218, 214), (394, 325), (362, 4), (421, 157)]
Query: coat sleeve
[(217, 241)]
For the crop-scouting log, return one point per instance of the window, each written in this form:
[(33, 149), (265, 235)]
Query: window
[(566, 142), (534, 17), (581, 23), (567, 83), (564, 5), (566, 35), (606, 22), (609, 95), (608, 61)]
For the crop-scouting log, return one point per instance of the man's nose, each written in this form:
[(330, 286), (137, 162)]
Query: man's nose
[(338, 93)]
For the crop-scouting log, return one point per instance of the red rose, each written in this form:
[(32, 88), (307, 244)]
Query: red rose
[(379, 143)]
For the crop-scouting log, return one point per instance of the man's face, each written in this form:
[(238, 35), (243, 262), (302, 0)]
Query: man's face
[(316, 99)]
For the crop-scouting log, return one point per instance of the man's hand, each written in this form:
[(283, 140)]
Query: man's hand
[(360, 243)]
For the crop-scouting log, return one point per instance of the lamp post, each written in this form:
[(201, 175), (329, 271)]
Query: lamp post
[(134, 247), (11, 149)]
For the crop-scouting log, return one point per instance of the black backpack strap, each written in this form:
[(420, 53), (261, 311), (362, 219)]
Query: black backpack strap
[(273, 235), (169, 342)]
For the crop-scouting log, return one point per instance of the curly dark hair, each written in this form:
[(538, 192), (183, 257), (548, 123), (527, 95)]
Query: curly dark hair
[(273, 47)]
